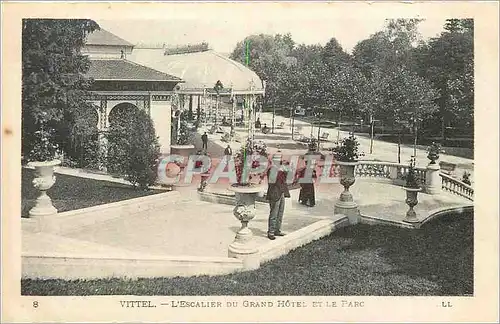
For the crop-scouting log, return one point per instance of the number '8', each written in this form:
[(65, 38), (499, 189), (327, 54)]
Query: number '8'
[(35, 304)]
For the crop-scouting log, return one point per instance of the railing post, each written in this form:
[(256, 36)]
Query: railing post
[(393, 172), (433, 182)]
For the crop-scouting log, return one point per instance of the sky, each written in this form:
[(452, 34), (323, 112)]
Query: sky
[(223, 33)]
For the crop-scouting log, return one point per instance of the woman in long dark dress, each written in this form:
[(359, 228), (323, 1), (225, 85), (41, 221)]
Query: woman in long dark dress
[(307, 195)]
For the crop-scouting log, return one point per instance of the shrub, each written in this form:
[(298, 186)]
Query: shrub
[(254, 149), (313, 145), (411, 178), (43, 147), (348, 150), (185, 134), (133, 148), (466, 178), (433, 152)]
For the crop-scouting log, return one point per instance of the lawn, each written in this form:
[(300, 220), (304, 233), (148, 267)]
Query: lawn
[(358, 260), (69, 192)]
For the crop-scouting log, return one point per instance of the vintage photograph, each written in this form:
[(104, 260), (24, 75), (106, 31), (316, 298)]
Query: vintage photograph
[(210, 157), (114, 117)]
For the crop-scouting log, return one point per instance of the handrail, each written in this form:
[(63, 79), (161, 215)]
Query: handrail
[(457, 187)]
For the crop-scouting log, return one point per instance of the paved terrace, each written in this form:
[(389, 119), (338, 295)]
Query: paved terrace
[(190, 227), (190, 230)]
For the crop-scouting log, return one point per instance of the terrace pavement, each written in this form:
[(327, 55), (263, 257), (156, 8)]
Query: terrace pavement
[(190, 227)]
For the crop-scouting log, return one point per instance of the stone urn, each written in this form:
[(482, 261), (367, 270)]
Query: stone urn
[(43, 181), (433, 153), (411, 201), (203, 181), (169, 172), (243, 247), (346, 204)]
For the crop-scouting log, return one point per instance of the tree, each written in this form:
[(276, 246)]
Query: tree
[(133, 147), (391, 47), (53, 82), (334, 56), (267, 55), (448, 62), (403, 99)]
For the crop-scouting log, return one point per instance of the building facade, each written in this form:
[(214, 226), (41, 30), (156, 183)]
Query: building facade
[(160, 81)]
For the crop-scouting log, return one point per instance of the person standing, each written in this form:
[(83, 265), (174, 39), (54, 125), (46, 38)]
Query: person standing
[(277, 191), (204, 140), (227, 156), (307, 194)]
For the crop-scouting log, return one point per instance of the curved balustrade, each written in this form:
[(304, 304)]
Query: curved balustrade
[(397, 173), (383, 170), (374, 170), (456, 187), (403, 171), (387, 170)]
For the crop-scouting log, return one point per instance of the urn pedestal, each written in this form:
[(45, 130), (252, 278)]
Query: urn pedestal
[(243, 246), (432, 179), (345, 204), (203, 182), (411, 201), (182, 150), (44, 180)]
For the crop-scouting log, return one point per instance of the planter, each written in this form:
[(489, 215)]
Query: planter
[(244, 211), (433, 158), (433, 153), (345, 204), (203, 181), (183, 150), (347, 179), (169, 173), (44, 180), (411, 201)]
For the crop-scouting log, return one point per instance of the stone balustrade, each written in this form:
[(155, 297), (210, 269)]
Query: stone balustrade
[(456, 187), (386, 170)]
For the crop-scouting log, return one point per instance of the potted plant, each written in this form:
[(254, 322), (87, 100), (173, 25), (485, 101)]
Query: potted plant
[(43, 157), (346, 156), (184, 136), (433, 179), (205, 175), (412, 187), (246, 192), (466, 178)]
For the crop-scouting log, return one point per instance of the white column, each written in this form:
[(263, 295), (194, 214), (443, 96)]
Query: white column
[(432, 179), (161, 112)]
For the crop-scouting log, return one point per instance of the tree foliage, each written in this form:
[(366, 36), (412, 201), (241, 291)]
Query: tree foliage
[(133, 148), (393, 76), (448, 62), (53, 82)]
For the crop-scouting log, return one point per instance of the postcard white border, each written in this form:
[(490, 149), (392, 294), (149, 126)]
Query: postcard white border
[(480, 308)]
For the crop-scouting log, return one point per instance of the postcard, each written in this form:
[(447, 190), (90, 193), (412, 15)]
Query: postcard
[(250, 162)]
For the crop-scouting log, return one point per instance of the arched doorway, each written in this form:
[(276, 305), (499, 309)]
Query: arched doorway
[(121, 112), (121, 118)]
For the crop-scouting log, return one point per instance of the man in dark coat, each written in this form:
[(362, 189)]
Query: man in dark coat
[(204, 140), (228, 150), (277, 191)]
